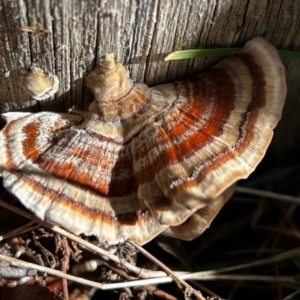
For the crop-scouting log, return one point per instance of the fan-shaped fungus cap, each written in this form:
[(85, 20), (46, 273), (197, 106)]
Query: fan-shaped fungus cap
[(156, 160)]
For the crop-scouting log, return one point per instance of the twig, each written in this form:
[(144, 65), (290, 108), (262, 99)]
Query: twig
[(141, 273), (47, 254), (203, 288), (267, 194), (150, 288), (167, 270), (159, 293), (64, 267)]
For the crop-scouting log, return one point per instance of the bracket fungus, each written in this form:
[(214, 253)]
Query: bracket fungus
[(38, 84), (146, 161)]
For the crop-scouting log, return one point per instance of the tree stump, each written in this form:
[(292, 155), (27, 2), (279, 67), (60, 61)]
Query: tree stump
[(67, 37)]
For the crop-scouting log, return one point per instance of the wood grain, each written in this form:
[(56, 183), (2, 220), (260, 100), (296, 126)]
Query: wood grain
[(140, 34)]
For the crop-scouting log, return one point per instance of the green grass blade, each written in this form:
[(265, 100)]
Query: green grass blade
[(296, 260), (288, 54), (192, 53)]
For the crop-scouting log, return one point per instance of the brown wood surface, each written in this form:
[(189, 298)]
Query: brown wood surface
[(72, 34)]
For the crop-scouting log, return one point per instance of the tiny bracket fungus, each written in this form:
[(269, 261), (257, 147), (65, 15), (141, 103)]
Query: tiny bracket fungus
[(38, 84)]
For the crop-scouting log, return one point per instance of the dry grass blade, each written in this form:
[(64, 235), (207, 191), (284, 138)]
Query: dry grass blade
[(27, 227), (292, 296), (19, 263), (202, 277), (141, 273), (179, 277), (275, 258), (214, 274), (267, 194)]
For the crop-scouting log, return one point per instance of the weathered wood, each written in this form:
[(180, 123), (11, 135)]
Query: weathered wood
[(72, 34)]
